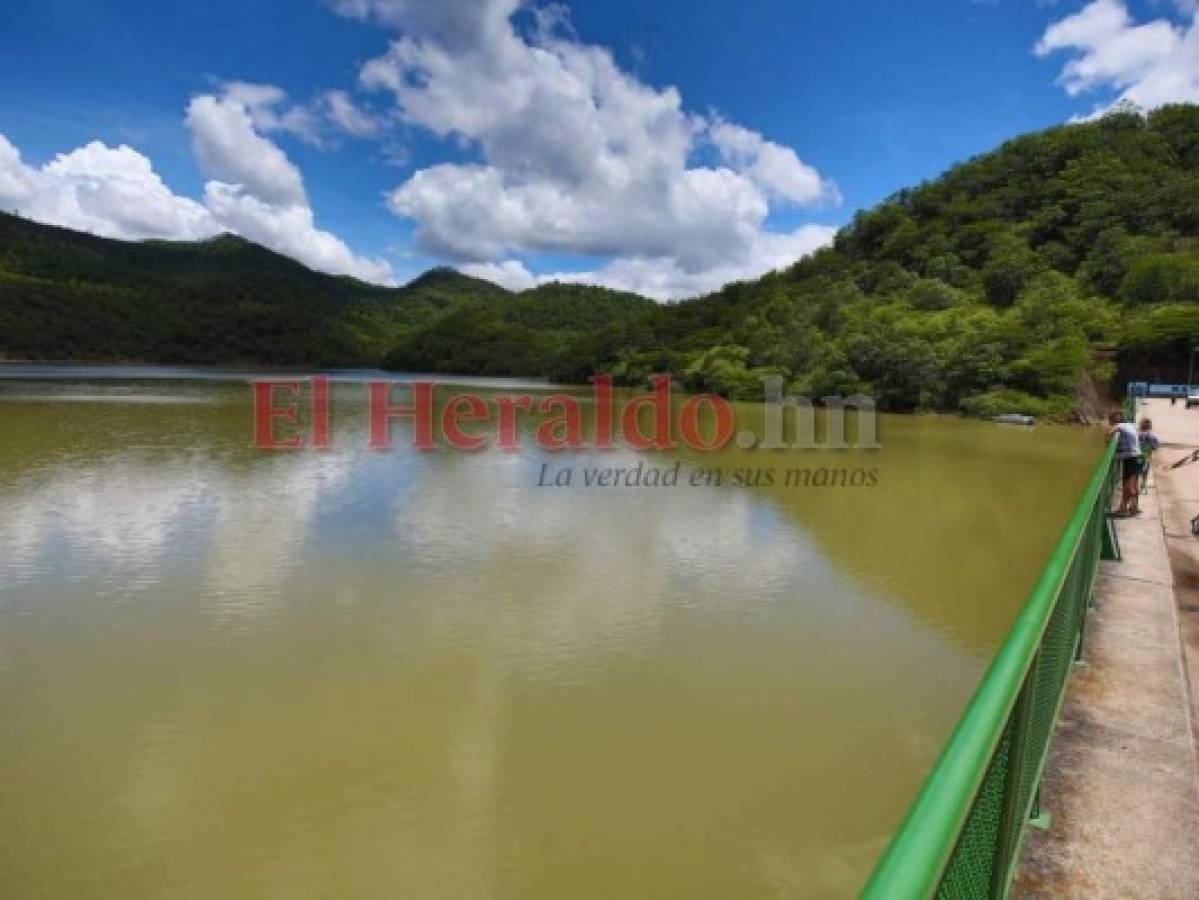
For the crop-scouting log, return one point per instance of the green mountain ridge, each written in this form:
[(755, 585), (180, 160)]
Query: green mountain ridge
[(70, 296), (1060, 259), (998, 287)]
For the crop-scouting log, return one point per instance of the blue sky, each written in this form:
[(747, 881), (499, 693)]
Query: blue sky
[(530, 142)]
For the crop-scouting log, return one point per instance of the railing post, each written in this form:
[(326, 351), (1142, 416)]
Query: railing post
[(1111, 543), (1038, 818)]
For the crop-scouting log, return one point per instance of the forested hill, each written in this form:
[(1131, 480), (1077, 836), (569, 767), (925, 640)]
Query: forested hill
[(67, 296), (995, 288)]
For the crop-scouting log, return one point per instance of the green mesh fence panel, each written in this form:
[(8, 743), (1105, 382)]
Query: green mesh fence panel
[(987, 847), (1053, 665), (986, 854), (971, 869)]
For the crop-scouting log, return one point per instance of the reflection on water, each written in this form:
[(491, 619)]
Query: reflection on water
[(224, 673)]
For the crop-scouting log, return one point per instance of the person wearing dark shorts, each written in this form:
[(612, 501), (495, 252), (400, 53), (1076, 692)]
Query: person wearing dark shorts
[(1128, 452), (1131, 467)]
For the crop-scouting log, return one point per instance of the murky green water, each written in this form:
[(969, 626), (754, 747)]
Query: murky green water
[(231, 674)]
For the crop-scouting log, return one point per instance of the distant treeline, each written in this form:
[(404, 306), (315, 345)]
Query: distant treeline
[(995, 288)]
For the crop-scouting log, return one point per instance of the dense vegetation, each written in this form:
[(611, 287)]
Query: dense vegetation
[(525, 334), (996, 288), (71, 296)]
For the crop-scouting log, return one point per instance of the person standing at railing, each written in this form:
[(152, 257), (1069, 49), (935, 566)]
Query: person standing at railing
[(1128, 452)]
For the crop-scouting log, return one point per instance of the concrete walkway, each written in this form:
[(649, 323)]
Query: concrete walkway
[(1122, 782), (1179, 493)]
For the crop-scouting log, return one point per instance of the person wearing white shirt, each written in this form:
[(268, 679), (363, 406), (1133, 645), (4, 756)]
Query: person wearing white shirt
[(1128, 452)]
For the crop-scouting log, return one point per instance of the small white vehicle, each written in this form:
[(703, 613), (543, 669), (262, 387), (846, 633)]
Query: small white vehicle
[(1192, 397)]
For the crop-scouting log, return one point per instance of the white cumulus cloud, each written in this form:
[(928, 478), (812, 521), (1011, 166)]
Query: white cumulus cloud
[(577, 156), (290, 230), (1148, 64), (777, 170), (109, 191), (666, 279), (454, 23), (230, 150), (510, 274), (348, 116), (255, 191), (258, 192), (271, 110)]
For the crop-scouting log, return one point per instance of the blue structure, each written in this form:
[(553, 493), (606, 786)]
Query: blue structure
[(1145, 389)]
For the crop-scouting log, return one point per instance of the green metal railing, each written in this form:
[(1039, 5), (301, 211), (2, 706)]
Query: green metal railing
[(963, 835)]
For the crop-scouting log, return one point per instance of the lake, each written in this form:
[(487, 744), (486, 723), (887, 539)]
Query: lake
[(230, 673)]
